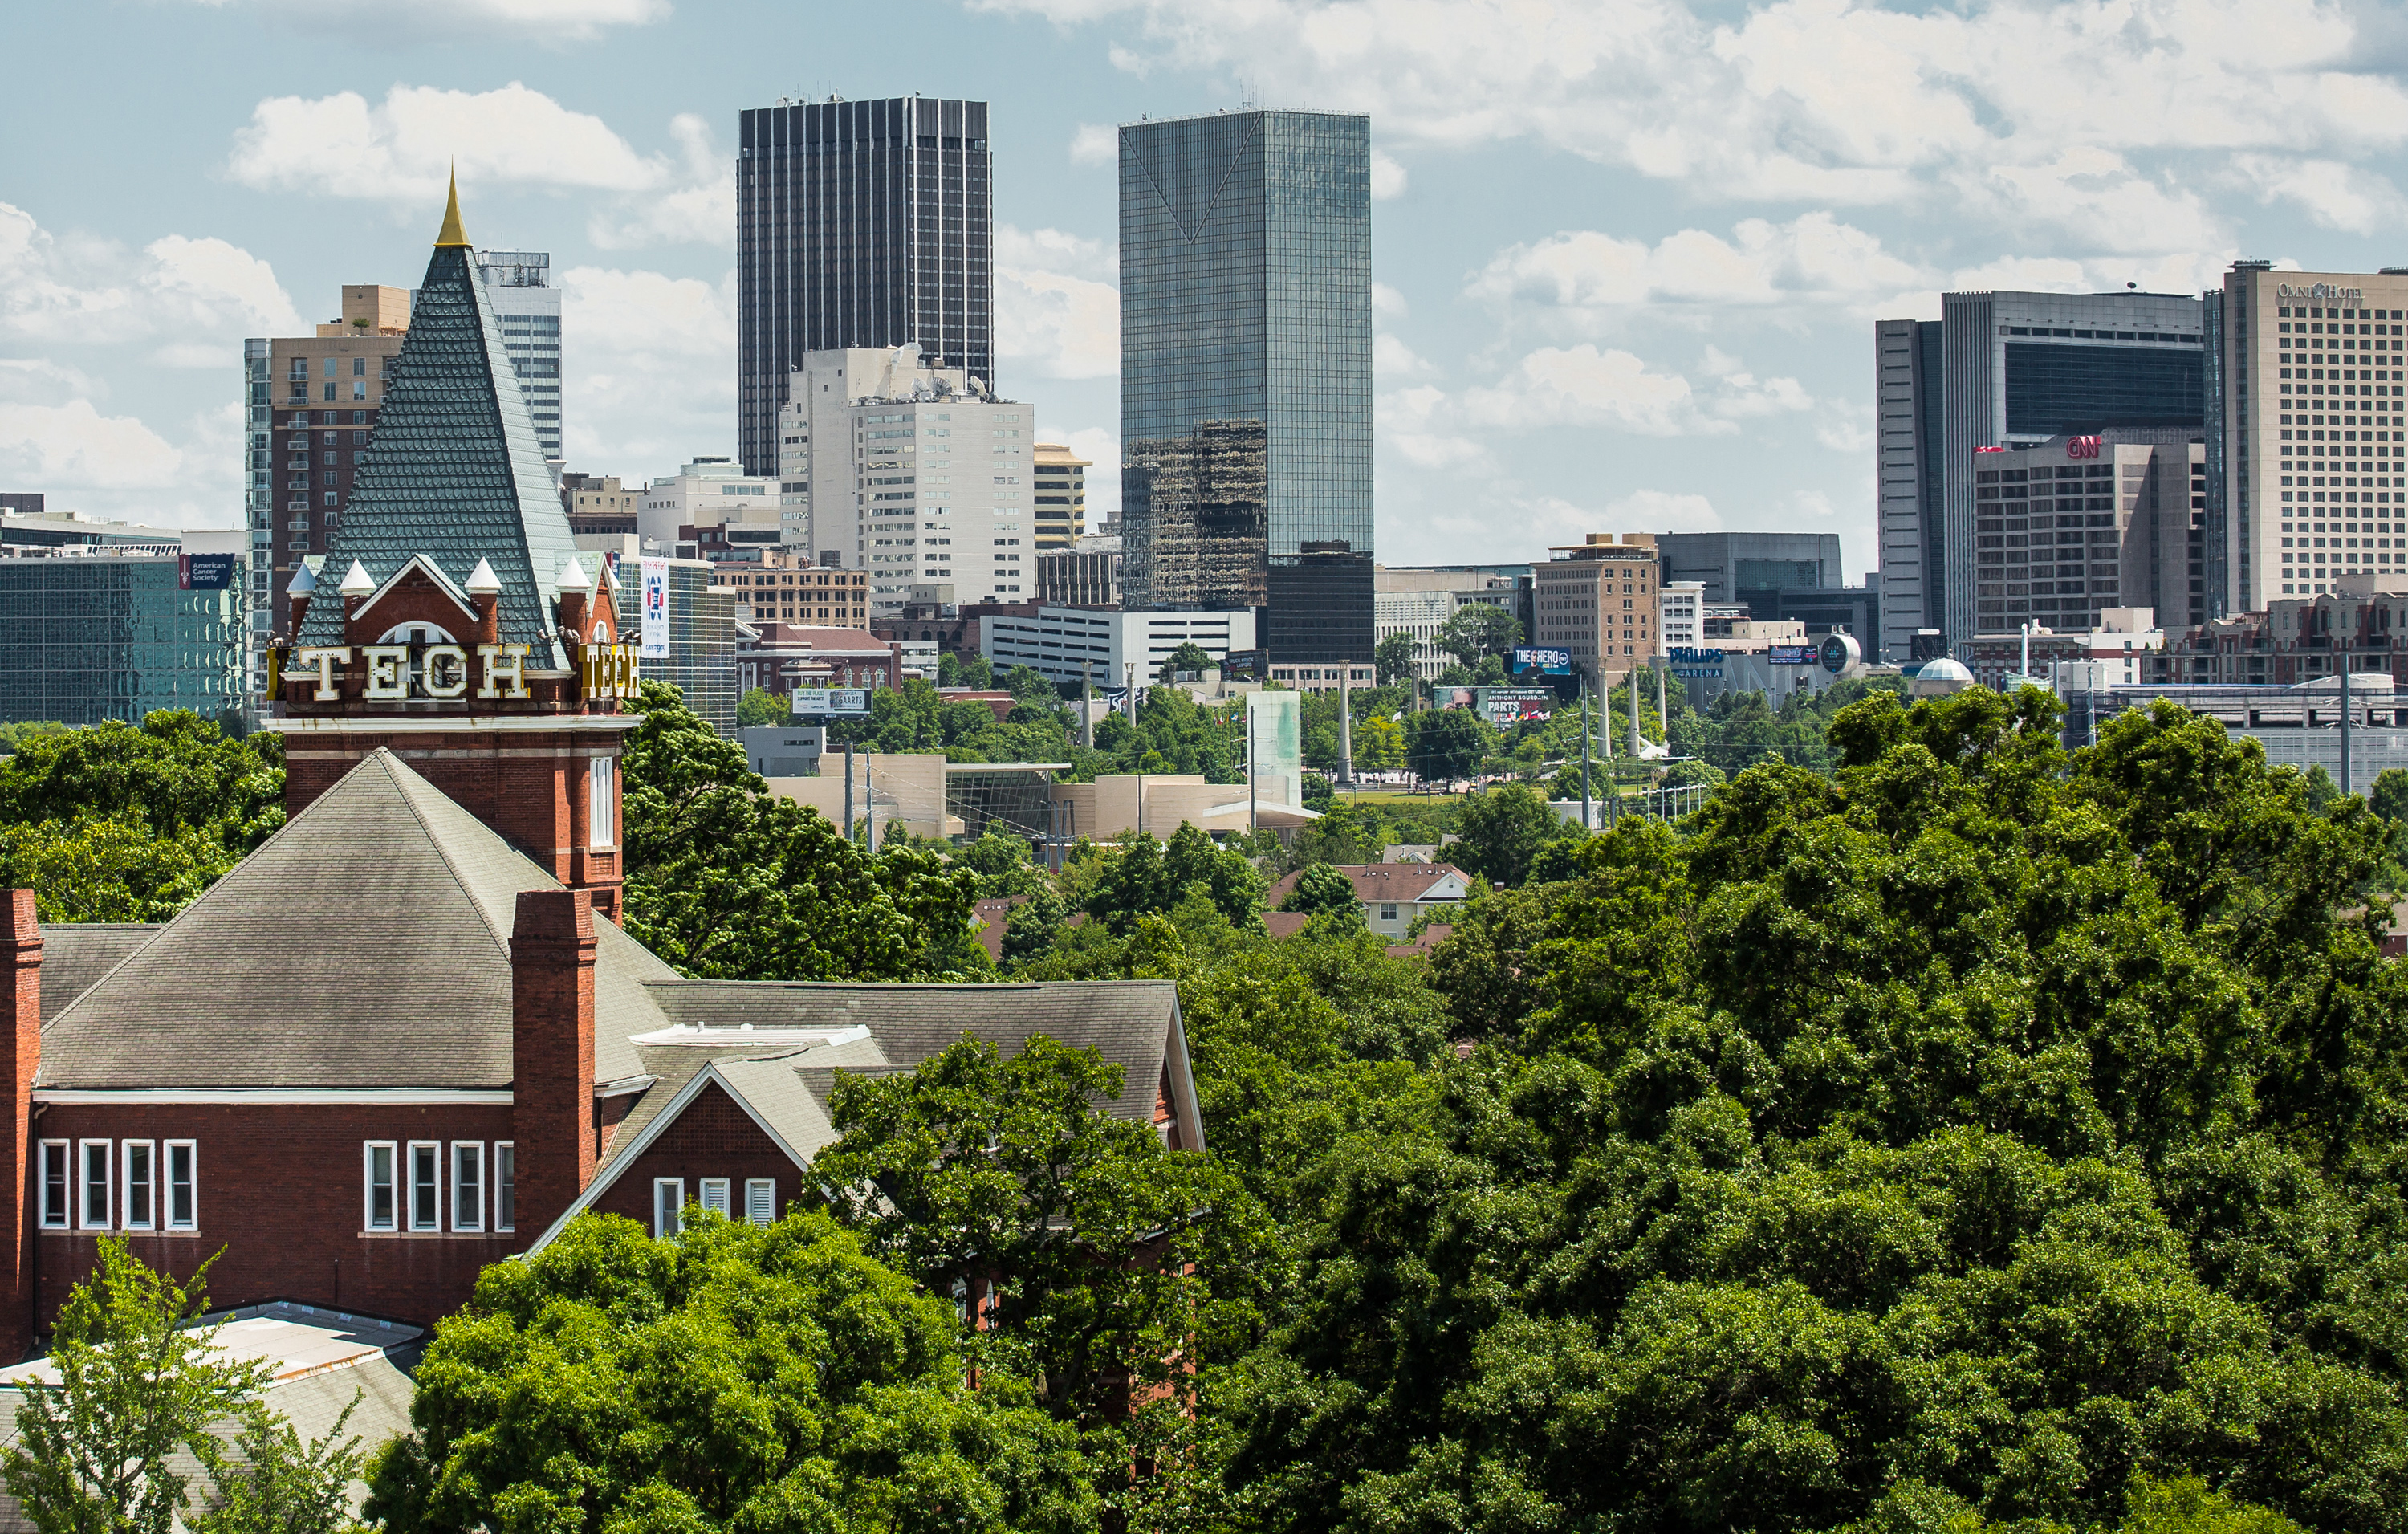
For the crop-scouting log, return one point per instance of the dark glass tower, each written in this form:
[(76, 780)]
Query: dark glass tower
[(858, 223), (1246, 370)]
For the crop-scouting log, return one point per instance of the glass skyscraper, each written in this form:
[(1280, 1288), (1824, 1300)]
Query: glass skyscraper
[(858, 223), (528, 306), (1246, 370)]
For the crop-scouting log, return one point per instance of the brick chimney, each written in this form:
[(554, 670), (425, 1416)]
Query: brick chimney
[(551, 1052), (23, 1036)]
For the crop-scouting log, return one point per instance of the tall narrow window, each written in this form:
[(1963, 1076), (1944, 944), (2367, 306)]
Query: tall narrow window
[(760, 1200), (425, 1185), (378, 1172), (668, 1206), (602, 803), (54, 1183), (96, 1183), (183, 1207), (506, 1185), (714, 1195), (141, 1185), (468, 1185)]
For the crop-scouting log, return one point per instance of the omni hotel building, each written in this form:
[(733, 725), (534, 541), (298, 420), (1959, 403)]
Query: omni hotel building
[(2305, 448)]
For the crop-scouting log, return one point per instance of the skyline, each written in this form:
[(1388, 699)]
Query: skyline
[(1627, 259)]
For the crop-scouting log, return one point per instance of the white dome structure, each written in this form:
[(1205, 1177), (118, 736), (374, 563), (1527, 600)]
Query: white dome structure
[(1939, 677)]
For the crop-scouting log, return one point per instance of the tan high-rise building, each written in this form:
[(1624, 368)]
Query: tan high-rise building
[(312, 408), (2305, 450), (1061, 478), (2069, 529), (1599, 599)]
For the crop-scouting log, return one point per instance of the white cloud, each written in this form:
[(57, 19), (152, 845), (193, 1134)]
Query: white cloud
[(1393, 361), (2336, 196), (1056, 312), (1095, 144), (654, 382), (1585, 386), (404, 149), (84, 291), (545, 21), (1101, 446), (1387, 303), (1594, 280), (1387, 178), (698, 205), (1420, 425)]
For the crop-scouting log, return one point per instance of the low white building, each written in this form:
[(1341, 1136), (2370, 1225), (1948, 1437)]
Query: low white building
[(1683, 614), (1107, 646), (712, 493)]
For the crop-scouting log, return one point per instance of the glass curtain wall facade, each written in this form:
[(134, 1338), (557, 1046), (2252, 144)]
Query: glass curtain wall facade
[(528, 305), (858, 223), (1246, 368), (96, 635)]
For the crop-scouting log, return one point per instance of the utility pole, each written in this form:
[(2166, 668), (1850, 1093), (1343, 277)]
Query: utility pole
[(1087, 703), (869, 796), (1588, 822), (1345, 726), (2346, 783), (1663, 712), (1634, 713), (1254, 811), (848, 791)]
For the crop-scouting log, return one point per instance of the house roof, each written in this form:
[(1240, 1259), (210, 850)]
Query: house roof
[(1378, 881), (456, 473), (365, 945), (75, 955)]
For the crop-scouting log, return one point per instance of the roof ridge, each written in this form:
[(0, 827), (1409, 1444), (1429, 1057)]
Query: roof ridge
[(389, 762)]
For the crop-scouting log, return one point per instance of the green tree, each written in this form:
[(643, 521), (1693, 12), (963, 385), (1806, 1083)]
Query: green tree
[(2389, 797), (1392, 658), (175, 772), (1030, 685), (725, 881), (1443, 743), (1147, 877), (1321, 890), (1107, 1268), (136, 1382), (974, 673), (1477, 630), (1503, 830), (270, 1480), (103, 868), (759, 706), (1189, 657), (1379, 743), (735, 1378)]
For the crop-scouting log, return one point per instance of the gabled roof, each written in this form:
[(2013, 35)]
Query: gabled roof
[(75, 955), (1377, 881), (456, 472), (365, 945)]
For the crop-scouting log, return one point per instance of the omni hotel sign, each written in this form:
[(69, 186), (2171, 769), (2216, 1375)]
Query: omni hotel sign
[(2319, 292)]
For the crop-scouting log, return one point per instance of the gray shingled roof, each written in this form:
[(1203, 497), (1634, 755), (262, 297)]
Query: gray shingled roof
[(1128, 1022), (456, 472), (366, 944), (75, 955)]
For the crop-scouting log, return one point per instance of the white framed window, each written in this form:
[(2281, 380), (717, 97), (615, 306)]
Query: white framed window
[(425, 1168), (379, 1174), (601, 803), (714, 1195), (668, 1206), (56, 1155), (468, 1184), (506, 1185), (180, 1207), (760, 1200), (141, 1185), (1387, 913), (98, 1185)]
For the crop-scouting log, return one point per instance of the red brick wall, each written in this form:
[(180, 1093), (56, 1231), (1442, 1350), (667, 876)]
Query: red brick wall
[(20, 1037), (712, 1138), (552, 1048), (280, 1188)]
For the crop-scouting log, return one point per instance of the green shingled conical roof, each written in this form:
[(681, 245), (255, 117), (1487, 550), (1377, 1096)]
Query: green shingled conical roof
[(456, 472)]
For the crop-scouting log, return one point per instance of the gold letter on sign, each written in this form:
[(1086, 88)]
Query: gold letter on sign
[(388, 670), (503, 663), (447, 670), (323, 657)]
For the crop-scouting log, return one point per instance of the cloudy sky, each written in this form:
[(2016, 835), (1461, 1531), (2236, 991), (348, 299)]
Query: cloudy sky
[(1628, 251)]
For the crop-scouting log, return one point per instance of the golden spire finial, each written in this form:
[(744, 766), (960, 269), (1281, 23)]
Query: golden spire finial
[(451, 233)]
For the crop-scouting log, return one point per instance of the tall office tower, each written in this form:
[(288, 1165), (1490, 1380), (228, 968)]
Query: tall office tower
[(905, 470), (1906, 390), (858, 223), (2304, 444), (528, 305), (2015, 369), (1246, 372), (312, 403)]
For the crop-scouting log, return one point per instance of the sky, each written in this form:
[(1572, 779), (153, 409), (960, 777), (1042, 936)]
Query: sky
[(1627, 254)]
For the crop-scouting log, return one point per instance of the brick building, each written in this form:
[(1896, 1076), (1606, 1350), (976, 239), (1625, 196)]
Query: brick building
[(405, 1039)]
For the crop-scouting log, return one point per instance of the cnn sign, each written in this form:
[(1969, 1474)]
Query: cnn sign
[(2082, 447)]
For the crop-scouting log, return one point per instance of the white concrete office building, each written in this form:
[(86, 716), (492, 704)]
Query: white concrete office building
[(1682, 606), (528, 306), (1109, 648)]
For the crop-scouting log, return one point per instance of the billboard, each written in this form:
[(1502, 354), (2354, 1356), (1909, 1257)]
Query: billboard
[(655, 610), (1793, 655), (1553, 663), (1505, 707), (831, 700), (205, 572)]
